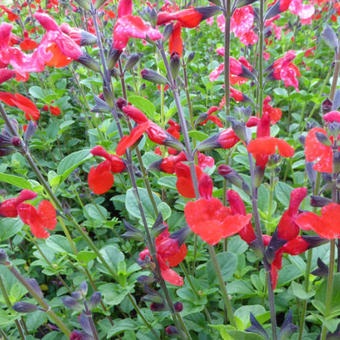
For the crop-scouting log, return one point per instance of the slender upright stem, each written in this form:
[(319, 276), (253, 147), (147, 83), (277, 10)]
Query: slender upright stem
[(227, 19), (53, 316), (9, 305), (225, 296), (261, 48), (335, 75), (187, 94)]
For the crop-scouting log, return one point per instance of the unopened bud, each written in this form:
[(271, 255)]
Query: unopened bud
[(323, 139), (144, 279), (16, 141), (157, 307), (233, 177), (167, 31), (95, 299), (178, 306), (319, 202), (239, 128), (153, 17), (190, 58), (326, 106), (71, 303), (86, 60), (3, 257), (205, 187), (259, 175), (132, 61), (24, 307), (175, 63), (171, 331), (83, 288), (113, 57), (153, 76)]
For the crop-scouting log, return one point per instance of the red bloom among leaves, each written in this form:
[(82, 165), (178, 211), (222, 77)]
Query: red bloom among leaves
[(6, 74), (208, 218), (169, 254), (175, 40), (285, 70), (184, 182), (21, 102), (100, 178), (214, 119), (316, 151), (327, 225), (38, 220), (265, 146), (333, 116), (287, 228)]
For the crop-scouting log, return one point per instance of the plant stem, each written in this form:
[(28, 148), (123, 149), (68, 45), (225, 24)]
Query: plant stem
[(225, 296), (308, 266), (9, 305), (227, 19), (90, 319), (54, 317)]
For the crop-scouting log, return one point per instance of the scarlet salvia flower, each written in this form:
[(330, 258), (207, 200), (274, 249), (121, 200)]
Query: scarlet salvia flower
[(333, 116), (190, 17), (100, 178), (8, 208), (168, 164), (11, 16), (287, 228), (184, 182), (169, 254), (80, 37), (316, 151), (237, 207), (38, 219), (208, 116), (21, 102), (265, 146), (175, 40), (283, 69), (6, 74), (226, 139), (208, 218), (327, 225)]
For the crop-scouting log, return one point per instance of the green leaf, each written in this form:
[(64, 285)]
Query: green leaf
[(86, 256), (71, 162), (16, 180), (59, 243), (227, 333), (36, 92), (243, 313), (282, 193), (132, 205), (112, 256), (300, 292), (198, 135), (144, 105), (228, 264), (168, 182), (121, 326), (281, 92), (9, 227), (95, 212), (165, 210)]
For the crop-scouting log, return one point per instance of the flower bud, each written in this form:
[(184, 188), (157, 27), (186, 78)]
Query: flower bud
[(239, 128), (205, 187), (323, 139), (86, 60), (71, 303), (175, 63), (145, 279), (153, 17), (233, 177), (35, 286), (83, 288), (132, 232), (113, 57), (190, 58), (181, 235), (322, 269), (259, 175), (168, 31), (16, 141), (24, 307), (178, 306), (171, 331), (157, 307), (100, 105), (30, 131), (3, 257), (319, 202), (95, 299), (132, 61), (326, 106), (153, 77)]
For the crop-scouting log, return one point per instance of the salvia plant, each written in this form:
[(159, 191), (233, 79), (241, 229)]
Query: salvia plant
[(170, 169)]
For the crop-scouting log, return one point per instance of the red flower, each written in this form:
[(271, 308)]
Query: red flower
[(169, 254), (11, 16), (184, 182), (208, 218), (124, 8), (135, 114), (327, 225), (287, 228), (214, 119), (100, 178), (127, 141), (175, 40), (285, 70), (265, 146), (190, 17), (316, 151), (38, 220), (333, 116), (8, 208), (129, 26), (238, 208), (21, 102), (6, 74)]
